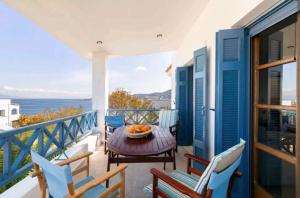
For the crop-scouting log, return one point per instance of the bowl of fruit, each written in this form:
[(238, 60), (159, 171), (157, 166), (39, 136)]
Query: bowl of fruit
[(139, 131)]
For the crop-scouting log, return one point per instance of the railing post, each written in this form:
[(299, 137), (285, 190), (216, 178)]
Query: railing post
[(7, 156), (83, 123), (96, 118), (61, 135), (41, 142)]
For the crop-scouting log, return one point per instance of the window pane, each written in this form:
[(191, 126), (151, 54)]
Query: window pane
[(275, 175), (277, 129), (277, 85), (278, 42)]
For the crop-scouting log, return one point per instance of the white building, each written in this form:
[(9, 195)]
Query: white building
[(9, 112)]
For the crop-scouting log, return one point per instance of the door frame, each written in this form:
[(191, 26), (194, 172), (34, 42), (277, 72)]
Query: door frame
[(253, 95), (297, 168)]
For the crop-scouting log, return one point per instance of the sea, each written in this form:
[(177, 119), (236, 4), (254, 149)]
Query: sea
[(34, 106)]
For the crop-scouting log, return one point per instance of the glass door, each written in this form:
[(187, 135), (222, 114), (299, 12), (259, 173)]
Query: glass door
[(274, 110)]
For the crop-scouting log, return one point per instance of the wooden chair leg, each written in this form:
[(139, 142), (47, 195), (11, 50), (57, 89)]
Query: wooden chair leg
[(117, 162), (122, 188), (165, 162), (105, 143), (42, 182), (88, 166), (155, 184), (174, 160), (105, 148), (108, 167)]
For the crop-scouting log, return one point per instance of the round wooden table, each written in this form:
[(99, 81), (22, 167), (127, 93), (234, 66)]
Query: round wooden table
[(159, 146)]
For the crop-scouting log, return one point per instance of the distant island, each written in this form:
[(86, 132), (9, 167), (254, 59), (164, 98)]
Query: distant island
[(159, 99), (30, 106)]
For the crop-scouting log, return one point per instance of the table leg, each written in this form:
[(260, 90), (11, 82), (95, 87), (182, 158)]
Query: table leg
[(108, 166), (117, 159), (174, 159)]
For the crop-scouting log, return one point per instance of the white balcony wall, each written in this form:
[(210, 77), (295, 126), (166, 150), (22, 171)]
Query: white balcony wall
[(216, 16)]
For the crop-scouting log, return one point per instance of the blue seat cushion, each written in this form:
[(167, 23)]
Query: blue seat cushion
[(93, 192), (182, 177), (115, 121)]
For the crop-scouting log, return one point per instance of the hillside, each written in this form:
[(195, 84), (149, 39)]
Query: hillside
[(159, 99)]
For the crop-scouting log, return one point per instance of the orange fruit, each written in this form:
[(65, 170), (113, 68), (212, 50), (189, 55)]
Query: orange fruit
[(145, 128)]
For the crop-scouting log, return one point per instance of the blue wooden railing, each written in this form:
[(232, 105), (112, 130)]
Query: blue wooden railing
[(47, 138), (137, 116)]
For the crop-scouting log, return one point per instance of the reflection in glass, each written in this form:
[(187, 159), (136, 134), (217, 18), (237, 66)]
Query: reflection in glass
[(275, 175), (278, 42), (277, 129), (277, 85)]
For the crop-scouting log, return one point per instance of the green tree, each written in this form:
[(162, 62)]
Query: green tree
[(121, 99)]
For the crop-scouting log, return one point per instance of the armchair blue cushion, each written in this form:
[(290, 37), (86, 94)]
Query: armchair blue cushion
[(114, 121), (167, 118)]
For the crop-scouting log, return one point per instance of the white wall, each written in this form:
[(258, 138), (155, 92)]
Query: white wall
[(5, 104), (217, 15)]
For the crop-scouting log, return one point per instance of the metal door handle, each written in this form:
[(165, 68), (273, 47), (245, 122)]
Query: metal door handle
[(203, 109)]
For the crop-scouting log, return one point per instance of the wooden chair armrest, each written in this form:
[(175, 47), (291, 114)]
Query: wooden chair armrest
[(79, 192), (65, 162), (172, 182), (200, 160), (197, 159), (74, 158)]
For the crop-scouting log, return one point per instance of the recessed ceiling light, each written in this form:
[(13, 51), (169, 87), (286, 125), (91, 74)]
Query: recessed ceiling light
[(159, 35), (99, 42)]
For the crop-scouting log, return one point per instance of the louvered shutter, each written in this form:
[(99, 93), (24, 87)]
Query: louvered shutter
[(182, 99), (232, 99), (200, 106)]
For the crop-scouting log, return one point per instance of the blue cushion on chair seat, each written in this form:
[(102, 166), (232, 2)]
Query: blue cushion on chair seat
[(182, 177), (93, 192), (185, 178)]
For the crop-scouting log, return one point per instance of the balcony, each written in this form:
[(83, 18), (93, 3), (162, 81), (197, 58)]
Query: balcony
[(71, 135), (49, 139)]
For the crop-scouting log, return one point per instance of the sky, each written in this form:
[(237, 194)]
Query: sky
[(34, 64)]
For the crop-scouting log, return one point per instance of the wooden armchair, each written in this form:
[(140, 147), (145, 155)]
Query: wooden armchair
[(186, 190), (215, 182), (58, 178)]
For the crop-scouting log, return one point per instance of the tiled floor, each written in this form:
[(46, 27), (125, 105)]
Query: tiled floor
[(137, 175)]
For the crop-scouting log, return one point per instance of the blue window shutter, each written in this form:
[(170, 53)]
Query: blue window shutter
[(200, 106), (183, 100), (233, 99)]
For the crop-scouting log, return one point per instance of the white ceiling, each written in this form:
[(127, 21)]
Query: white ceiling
[(126, 27)]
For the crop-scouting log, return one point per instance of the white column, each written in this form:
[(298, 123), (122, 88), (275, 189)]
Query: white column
[(100, 86)]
